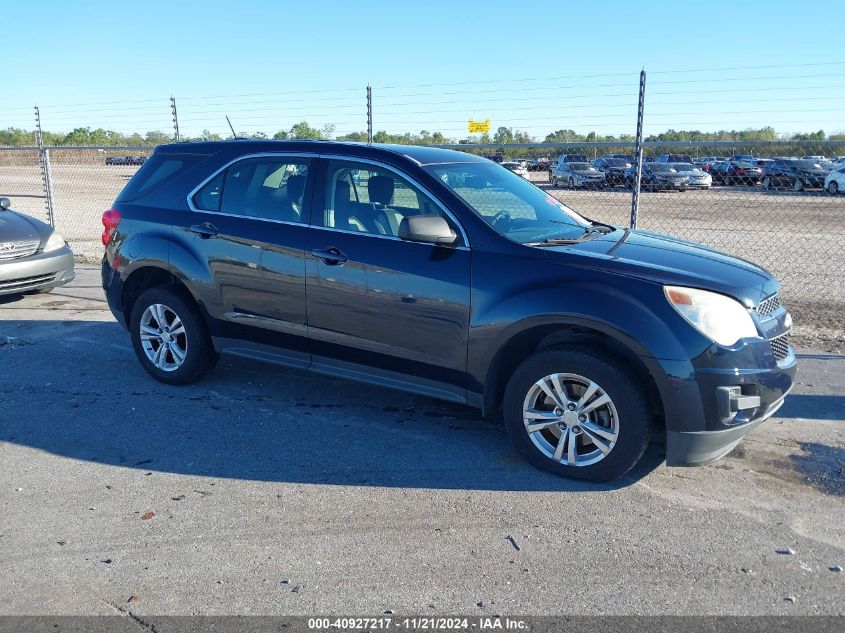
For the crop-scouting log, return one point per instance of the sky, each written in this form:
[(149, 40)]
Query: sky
[(536, 67)]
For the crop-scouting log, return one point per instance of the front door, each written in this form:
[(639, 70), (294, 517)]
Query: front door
[(395, 309)]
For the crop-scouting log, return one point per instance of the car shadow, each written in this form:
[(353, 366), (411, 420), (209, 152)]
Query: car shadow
[(813, 407), (78, 391)]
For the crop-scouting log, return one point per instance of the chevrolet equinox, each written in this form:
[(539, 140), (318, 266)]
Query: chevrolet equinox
[(444, 274)]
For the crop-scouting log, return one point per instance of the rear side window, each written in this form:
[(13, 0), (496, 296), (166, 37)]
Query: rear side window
[(269, 188), (157, 170)]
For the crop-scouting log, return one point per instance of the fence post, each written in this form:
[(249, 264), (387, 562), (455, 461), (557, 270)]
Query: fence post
[(175, 118), (44, 165), (369, 114), (638, 153)]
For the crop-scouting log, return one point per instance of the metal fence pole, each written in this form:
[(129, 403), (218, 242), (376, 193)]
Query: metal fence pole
[(638, 153), (44, 164), (369, 114), (175, 118)]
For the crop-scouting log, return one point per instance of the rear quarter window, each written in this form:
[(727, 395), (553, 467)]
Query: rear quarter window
[(159, 169)]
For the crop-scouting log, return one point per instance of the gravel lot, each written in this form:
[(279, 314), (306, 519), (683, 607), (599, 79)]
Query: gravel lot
[(799, 237), (260, 491)]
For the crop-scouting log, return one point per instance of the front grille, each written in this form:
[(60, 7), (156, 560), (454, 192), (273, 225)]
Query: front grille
[(768, 305), (780, 346), (25, 282), (23, 248)]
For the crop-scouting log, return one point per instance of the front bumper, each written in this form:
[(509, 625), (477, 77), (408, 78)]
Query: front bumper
[(697, 448), (734, 401), (37, 272)]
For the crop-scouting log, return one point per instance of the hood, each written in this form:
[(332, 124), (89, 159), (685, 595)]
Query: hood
[(668, 260), (16, 226)]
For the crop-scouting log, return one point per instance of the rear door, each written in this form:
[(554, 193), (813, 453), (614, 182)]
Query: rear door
[(248, 224), (377, 304)]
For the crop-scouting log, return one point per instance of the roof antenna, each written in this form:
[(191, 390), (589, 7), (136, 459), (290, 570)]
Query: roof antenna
[(230, 127)]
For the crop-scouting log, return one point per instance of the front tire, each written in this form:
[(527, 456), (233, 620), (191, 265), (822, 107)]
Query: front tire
[(797, 185), (170, 338), (577, 414), (833, 187)]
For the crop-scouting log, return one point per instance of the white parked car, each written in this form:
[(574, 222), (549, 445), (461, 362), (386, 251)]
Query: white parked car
[(518, 168), (696, 177), (835, 181)]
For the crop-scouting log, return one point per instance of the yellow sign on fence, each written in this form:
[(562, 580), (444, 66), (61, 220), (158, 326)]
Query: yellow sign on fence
[(479, 127)]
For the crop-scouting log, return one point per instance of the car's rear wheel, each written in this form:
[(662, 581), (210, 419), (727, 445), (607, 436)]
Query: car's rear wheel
[(833, 187), (170, 337), (727, 180), (767, 184), (577, 415), (797, 185)]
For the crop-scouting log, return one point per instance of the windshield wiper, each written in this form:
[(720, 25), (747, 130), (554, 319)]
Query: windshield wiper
[(600, 229)]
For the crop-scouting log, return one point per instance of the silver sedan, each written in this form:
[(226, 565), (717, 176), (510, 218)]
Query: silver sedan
[(33, 257)]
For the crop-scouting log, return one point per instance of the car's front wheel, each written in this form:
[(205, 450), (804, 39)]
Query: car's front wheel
[(833, 187), (797, 185), (170, 338), (577, 414)]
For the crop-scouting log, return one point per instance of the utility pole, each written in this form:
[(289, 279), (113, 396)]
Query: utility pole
[(175, 118), (635, 199), (44, 164), (369, 114)]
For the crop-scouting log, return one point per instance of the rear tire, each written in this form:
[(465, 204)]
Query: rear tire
[(624, 416), (193, 354), (797, 185), (767, 184)]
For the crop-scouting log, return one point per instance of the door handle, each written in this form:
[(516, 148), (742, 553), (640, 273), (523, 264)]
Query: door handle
[(331, 256), (204, 230)]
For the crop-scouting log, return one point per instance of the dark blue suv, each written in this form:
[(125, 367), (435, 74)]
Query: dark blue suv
[(444, 274)]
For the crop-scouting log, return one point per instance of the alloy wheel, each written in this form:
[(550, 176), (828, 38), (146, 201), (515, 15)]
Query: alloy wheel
[(163, 337), (570, 419)]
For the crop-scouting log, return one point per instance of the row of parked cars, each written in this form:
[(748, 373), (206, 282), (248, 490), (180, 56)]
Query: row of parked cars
[(785, 172), (681, 172), (125, 160)]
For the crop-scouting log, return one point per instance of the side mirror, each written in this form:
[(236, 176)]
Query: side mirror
[(429, 229), (5, 203)]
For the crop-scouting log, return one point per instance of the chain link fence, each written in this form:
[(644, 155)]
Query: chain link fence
[(736, 196)]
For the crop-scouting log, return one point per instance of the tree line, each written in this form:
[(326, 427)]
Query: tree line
[(86, 136)]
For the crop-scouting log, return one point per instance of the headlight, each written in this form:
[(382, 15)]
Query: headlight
[(718, 317), (55, 242)]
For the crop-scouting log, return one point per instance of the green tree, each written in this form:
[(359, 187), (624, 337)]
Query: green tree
[(303, 130)]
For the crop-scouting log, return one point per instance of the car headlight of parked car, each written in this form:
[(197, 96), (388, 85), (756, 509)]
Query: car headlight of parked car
[(55, 242), (718, 317)]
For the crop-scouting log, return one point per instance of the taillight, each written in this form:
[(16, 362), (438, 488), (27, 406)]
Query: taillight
[(111, 219)]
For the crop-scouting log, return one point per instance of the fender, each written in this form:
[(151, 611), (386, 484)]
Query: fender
[(635, 320)]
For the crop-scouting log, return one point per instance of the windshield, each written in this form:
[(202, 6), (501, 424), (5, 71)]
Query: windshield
[(684, 167), (580, 166), (807, 164), (616, 162), (509, 203), (663, 168)]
